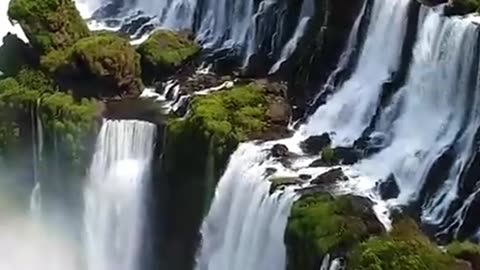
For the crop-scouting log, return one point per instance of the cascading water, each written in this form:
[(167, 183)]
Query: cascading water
[(244, 228), (349, 111), (428, 114), (114, 206), (238, 28)]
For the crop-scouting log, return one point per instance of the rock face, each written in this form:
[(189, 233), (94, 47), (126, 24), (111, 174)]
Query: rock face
[(15, 54), (100, 65), (164, 52), (315, 144), (49, 24)]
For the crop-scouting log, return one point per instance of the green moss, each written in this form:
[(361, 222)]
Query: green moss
[(49, 24), (465, 251), (329, 156), (106, 59), (320, 224), (406, 248), (237, 115), (164, 52)]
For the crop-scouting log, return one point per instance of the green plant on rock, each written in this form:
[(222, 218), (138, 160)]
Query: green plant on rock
[(164, 52), (49, 24), (405, 248), (466, 6), (106, 59), (329, 156), (320, 224)]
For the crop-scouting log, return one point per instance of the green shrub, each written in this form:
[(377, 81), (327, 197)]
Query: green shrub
[(49, 24), (406, 248)]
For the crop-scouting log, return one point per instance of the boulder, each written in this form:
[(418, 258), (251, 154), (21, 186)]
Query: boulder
[(49, 24), (321, 224), (314, 144), (164, 52), (329, 178), (466, 251), (102, 65), (279, 150), (347, 155), (388, 189)]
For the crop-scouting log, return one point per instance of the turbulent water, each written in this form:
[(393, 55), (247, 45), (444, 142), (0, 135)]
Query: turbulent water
[(348, 112), (244, 228), (114, 196)]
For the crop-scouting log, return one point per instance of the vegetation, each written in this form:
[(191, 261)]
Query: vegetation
[(63, 119), (405, 248), (164, 52), (466, 251), (329, 156), (320, 224), (49, 24), (105, 60)]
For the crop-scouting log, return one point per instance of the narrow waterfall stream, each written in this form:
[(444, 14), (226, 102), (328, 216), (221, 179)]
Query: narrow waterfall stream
[(114, 195)]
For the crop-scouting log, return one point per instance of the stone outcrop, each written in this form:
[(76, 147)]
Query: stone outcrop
[(164, 52)]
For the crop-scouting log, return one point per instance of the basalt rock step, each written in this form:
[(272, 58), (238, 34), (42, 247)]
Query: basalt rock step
[(135, 108)]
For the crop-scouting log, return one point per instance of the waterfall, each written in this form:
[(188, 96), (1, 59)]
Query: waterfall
[(428, 114), (348, 112), (308, 9), (245, 226), (114, 194), (237, 28)]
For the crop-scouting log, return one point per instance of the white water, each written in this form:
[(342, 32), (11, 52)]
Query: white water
[(308, 10), (245, 226), (429, 111), (114, 209), (349, 111)]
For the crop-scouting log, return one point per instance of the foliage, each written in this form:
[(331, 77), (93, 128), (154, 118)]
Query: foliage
[(329, 156), (105, 58), (406, 248), (49, 24), (234, 115), (465, 251), (164, 51), (320, 224), (63, 118)]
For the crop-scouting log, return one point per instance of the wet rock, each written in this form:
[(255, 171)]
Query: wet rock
[(388, 189), (347, 155), (15, 54), (329, 178), (431, 3), (279, 150), (305, 177), (134, 25), (269, 171), (279, 182), (314, 144), (109, 10)]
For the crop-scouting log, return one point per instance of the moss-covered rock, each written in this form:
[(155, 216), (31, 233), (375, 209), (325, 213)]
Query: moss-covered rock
[(320, 224), (466, 251), (405, 248), (49, 24), (202, 142), (100, 65), (164, 52), (460, 7)]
